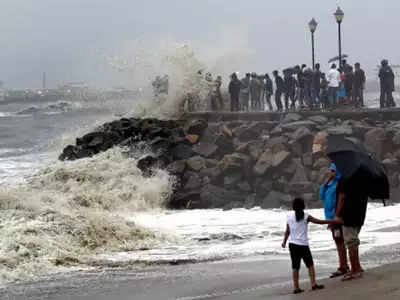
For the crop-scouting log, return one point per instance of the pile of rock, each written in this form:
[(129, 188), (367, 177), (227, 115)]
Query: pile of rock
[(242, 164)]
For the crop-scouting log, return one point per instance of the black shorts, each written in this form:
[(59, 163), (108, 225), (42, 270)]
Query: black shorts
[(298, 253)]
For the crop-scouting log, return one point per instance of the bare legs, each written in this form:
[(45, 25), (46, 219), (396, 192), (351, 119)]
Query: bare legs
[(311, 273), (342, 255), (355, 261)]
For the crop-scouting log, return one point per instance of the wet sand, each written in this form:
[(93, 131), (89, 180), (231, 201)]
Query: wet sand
[(380, 283), (250, 278)]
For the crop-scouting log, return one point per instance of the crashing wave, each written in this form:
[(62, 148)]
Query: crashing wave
[(69, 212)]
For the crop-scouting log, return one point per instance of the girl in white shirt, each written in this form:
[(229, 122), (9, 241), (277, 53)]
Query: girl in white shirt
[(297, 233)]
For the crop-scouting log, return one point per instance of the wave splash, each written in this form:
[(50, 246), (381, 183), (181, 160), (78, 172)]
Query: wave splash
[(70, 212)]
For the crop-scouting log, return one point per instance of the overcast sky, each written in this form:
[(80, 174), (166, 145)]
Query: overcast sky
[(69, 38)]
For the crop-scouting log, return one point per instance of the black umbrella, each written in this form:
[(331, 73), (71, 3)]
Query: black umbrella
[(290, 71), (352, 160), (337, 58)]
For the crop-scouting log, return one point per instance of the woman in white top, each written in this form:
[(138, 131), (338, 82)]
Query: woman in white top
[(297, 233)]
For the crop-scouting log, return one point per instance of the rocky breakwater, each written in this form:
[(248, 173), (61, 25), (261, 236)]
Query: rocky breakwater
[(241, 163)]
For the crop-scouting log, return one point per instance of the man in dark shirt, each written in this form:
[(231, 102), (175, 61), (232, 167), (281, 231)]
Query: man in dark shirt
[(352, 209), (280, 87), (316, 85), (234, 90), (290, 90), (386, 77), (358, 86)]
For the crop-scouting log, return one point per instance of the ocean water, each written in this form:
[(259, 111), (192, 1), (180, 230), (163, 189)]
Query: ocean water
[(62, 216)]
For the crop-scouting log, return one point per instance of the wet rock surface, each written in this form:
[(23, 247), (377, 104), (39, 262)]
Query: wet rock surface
[(241, 163)]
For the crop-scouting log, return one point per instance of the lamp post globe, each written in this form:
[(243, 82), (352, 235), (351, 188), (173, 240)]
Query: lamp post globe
[(312, 25), (339, 15)]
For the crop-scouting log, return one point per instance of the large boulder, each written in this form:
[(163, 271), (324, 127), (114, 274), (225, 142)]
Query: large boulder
[(277, 144), (263, 163), (182, 151), (205, 149), (301, 141), (235, 162), (291, 117), (396, 139), (255, 149), (320, 163), (196, 163), (269, 160), (247, 133), (340, 130), (275, 200), (295, 125), (194, 182), (379, 142), (224, 144), (216, 197), (196, 127), (320, 120), (280, 158), (307, 159), (301, 173), (177, 167), (185, 199), (232, 179)]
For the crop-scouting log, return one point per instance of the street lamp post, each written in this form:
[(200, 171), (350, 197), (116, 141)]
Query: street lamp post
[(339, 15), (313, 26)]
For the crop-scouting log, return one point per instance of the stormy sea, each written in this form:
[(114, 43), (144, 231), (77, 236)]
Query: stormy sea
[(51, 224)]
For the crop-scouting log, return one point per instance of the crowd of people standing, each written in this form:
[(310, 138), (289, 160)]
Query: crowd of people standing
[(306, 88), (295, 88)]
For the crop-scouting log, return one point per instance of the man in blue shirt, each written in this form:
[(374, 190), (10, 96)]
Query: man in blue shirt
[(329, 198)]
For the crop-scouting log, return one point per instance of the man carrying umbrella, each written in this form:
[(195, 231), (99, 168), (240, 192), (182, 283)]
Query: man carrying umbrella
[(363, 178)]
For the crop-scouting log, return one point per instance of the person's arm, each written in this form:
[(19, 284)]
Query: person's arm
[(335, 221), (285, 238)]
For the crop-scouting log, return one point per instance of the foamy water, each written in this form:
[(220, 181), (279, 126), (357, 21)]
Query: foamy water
[(218, 234), (68, 212)]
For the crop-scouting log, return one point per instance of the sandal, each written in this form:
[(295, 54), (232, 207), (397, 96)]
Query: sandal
[(298, 291), (318, 287), (351, 276), (339, 272)]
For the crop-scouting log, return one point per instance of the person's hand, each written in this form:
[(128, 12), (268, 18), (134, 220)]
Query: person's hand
[(283, 245)]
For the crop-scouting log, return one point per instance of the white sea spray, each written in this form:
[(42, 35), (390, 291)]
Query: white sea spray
[(70, 211)]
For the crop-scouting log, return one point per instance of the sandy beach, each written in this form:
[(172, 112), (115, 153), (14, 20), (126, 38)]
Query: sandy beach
[(251, 279), (378, 283)]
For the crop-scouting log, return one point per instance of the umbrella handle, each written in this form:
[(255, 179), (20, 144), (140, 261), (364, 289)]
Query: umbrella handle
[(384, 202)]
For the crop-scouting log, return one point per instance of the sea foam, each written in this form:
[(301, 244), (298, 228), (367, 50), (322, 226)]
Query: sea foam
[(70, 211)]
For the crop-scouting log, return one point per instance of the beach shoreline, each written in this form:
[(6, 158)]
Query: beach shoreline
[(247, 278)]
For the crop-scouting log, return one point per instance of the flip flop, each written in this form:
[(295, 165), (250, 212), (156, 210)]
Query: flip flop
[(351, 276), (298, 291), (338, 273), (318, 287)]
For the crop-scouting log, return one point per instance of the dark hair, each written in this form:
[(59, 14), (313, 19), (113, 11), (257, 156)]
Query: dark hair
[(298, 207)]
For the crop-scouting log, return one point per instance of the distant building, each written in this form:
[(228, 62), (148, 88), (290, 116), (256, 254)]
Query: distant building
[(75, 90)]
